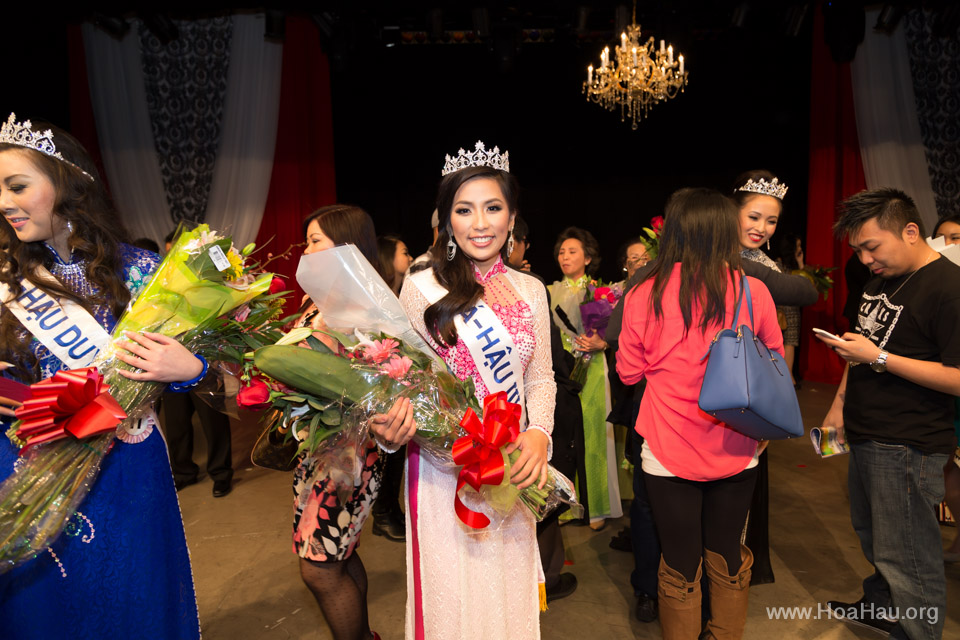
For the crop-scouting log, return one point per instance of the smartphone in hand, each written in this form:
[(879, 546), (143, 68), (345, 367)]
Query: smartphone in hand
[(827, 334)]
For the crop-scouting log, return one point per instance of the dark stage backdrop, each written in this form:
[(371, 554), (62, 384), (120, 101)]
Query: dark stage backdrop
[(397, 112)]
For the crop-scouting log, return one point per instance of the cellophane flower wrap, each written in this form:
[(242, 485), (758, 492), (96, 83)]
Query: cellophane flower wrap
[(202, 279), (599, 299), (323, 392)]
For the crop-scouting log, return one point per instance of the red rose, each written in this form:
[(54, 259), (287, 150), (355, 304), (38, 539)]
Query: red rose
[(601, 293), (254, 395), (277, 285), (657, 224)]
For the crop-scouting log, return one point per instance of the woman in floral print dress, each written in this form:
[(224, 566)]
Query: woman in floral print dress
[(325, 528)]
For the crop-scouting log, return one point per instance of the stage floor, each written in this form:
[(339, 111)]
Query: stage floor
[(248, 583)]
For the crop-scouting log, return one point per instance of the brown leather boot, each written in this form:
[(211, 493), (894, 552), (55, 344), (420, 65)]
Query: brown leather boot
[(679, 603), (728, 596)]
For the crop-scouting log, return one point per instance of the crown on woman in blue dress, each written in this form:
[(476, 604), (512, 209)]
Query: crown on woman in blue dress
[(23, 135)]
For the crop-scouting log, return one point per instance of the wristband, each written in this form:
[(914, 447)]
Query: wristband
[(187, 385)]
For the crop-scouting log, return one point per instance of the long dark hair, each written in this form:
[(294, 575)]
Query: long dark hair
[(699, 232), (456, 275), (96, 237), (348, 224), (387, 249), (788, 251)]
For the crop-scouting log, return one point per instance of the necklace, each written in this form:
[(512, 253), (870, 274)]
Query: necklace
[(890, 297)]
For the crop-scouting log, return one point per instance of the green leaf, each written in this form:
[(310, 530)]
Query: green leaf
[(317, 345), (250, 341), (318, 374), (326, 433), (316, 405), (331, 416), (295, 399)]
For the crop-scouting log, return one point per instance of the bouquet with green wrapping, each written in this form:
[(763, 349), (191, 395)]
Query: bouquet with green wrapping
[(191, 295), (324, 386)]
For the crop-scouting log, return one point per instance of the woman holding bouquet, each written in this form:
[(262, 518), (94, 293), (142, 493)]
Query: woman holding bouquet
[(326, 530), (463, 582), (62, 241), (578, 254), (699, 473)]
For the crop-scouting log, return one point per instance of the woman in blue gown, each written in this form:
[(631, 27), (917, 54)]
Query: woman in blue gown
[(120, 569)]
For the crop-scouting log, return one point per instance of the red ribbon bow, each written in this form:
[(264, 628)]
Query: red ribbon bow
[(479, 451), (75, 402)]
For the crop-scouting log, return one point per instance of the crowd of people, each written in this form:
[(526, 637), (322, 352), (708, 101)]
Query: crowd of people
[(589, 400)]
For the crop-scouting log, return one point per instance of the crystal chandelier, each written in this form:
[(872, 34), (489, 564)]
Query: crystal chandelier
[(637, 78)]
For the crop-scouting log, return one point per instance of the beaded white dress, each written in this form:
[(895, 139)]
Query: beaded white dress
[(478, 584)]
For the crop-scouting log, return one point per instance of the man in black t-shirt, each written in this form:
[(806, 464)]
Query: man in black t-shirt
[(895, 406)]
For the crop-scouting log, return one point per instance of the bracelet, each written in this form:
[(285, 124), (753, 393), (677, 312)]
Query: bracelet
[(186, 385)]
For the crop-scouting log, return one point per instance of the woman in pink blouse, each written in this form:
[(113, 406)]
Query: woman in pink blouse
[(699, 472)]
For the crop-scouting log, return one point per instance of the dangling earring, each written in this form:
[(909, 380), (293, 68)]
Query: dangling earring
[(768, 244), (451, 249), (69, 227), (510, 244)]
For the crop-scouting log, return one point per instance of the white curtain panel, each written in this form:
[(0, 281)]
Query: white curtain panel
[(887, 125), (241, 176), (123, 129)]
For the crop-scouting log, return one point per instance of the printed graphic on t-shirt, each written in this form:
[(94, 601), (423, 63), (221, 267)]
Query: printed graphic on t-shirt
[(877, 318)]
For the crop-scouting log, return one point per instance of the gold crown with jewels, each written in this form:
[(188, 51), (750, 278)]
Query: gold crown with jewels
[(479, 157), (23, 135)]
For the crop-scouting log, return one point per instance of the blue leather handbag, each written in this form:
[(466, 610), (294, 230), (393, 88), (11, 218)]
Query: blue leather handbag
[(747, 385)]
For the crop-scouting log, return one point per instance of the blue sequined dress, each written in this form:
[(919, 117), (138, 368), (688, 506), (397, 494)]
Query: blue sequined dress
[(121, 569)]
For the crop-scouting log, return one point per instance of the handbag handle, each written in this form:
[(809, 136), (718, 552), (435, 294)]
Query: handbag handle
[(744, 292), (744, 287)]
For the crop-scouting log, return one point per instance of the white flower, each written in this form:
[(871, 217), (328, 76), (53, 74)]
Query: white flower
[(295, 336)]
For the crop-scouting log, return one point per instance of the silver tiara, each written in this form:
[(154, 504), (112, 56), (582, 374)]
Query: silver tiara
[(776, 188), (480, 157), (23, 135)]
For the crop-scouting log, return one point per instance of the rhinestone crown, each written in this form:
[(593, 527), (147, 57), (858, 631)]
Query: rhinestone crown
[(23, 135), (479, 157), (774, 188)]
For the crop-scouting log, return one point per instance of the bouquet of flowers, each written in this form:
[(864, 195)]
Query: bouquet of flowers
[(599, 299), (323, 392), (652, 241), (67, 426), (819, 276)]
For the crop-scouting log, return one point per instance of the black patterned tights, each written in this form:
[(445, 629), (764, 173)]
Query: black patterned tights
[(341, 591)]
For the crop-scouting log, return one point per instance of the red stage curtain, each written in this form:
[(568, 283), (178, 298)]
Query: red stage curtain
[(836, 171), (303, 174)]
